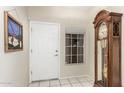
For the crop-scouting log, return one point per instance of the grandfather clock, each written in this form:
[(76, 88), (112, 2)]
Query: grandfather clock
[(107, 49)]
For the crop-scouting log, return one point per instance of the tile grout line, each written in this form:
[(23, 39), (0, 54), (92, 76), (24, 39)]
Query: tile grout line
[(60, 83), (39, 83), (79, 81), (49, 83), (66, 83), (55, 85), (70, 82), (75, 82)]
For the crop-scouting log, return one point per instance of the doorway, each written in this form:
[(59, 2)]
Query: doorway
[(44, 50)]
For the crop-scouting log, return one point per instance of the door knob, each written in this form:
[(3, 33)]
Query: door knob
[(56, 55)]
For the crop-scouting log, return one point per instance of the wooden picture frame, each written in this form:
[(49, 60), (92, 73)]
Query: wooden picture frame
[(13, 34)]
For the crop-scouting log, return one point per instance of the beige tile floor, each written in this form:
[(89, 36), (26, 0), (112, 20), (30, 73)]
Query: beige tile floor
[(69, 82)]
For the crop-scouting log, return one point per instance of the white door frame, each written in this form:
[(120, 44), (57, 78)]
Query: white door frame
[(31, 22)]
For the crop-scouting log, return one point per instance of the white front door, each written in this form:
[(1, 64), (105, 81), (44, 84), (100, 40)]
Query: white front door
[(44, 56)]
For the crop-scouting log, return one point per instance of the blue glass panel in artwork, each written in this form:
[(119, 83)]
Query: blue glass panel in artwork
[(13, 28)]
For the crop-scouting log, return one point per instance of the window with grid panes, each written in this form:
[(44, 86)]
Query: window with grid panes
[(74, 48)]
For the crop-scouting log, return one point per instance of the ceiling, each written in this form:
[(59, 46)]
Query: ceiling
[(75, 12)]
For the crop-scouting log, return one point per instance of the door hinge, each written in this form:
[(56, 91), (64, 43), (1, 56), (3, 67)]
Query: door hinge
[(31, 72), (31, 29), (31, 50)]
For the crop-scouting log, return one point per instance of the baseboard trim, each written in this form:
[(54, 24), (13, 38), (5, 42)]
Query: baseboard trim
[(122, 84), (12, 85), (74, 76)]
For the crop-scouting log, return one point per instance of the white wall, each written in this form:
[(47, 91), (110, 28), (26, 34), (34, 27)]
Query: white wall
[(67, 17), (14, 66)]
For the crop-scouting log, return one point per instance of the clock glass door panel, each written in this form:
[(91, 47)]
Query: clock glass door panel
[(102, 62), (99, 60), (102, 51)]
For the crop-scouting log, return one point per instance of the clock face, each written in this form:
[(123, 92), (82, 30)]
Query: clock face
[(102, 31)]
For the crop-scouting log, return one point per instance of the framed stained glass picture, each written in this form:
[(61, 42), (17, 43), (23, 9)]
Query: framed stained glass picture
[(13, 34)]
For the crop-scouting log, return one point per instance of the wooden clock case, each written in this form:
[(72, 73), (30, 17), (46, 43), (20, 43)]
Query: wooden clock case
[(112, 57)]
